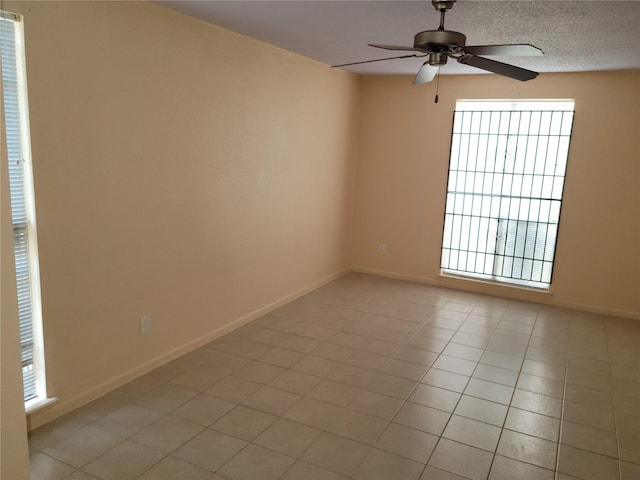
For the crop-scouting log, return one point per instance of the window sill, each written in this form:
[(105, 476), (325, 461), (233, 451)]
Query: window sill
[(36, 404), (492, 285)]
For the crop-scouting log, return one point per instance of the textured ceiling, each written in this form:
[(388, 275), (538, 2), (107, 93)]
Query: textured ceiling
[(575, 36)]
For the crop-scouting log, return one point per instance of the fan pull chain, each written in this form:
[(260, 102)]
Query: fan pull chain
[(437, 85)]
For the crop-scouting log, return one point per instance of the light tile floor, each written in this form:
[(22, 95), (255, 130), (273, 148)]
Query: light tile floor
[(370, 378)]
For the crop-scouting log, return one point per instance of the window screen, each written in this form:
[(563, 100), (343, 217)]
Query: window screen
[(504, 192)]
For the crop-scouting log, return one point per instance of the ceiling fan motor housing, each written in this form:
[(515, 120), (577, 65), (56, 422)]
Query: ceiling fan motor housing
[(439, 40)]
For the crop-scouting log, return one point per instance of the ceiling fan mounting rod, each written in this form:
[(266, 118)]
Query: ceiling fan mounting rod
[(442, 6)]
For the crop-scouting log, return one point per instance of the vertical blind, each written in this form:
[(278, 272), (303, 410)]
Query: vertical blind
[(18, 190)]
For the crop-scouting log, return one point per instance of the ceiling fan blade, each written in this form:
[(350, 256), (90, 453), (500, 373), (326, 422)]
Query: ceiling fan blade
[(500, 68), (396, 47), (516, 50), (425, 74), (376, 60)]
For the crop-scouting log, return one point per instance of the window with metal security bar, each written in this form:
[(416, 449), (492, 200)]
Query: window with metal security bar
[(504, 195), (22, 207)]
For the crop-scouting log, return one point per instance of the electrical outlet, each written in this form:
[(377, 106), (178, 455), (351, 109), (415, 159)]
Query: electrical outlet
[(145, 324), (382, 249)]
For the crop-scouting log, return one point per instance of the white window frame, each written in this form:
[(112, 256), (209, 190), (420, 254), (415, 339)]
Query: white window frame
[(40, 399), (482, 151)]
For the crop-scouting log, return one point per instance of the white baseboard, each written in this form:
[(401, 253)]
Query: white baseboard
[(65, 405), (397, 276), (505, 291)]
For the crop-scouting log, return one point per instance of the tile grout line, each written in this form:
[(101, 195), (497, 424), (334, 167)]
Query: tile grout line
[(515, 387), (615, 415), (440, 436), (562, 405)]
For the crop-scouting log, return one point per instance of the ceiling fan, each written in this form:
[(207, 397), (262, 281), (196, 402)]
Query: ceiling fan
[(438, 45)]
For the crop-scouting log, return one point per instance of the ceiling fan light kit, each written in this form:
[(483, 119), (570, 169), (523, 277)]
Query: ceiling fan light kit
[(438, 45)]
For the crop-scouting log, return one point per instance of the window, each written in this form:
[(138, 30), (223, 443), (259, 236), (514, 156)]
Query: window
[(22, 207), (504, 193)]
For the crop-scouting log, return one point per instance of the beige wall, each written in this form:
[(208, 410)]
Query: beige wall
[(402, 175), (181, 171)]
